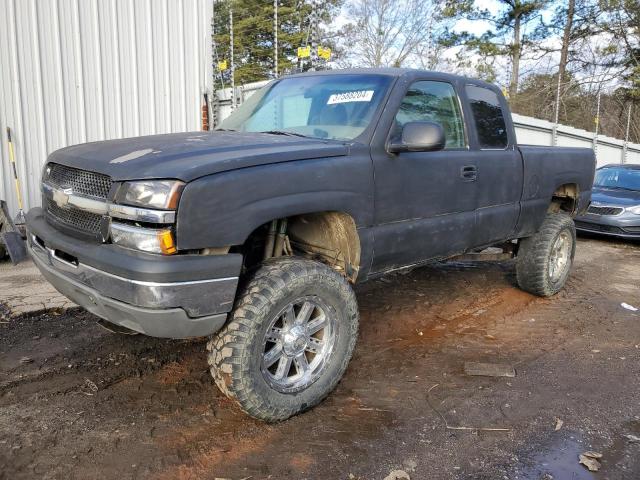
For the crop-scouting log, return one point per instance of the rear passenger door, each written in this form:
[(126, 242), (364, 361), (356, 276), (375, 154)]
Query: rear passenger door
[(499, 164), (424, 201)]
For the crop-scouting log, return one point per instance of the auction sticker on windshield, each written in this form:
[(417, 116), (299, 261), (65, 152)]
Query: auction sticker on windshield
[(346, 97)]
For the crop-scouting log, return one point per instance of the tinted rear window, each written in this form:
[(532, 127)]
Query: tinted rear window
[(488, 116)]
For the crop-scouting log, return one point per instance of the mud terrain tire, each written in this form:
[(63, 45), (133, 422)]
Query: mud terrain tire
[(279, 292), (545, 259)]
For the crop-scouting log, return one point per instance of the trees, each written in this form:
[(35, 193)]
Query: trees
[(567, 49), (388, 33), (513, 29), (622, 23), (254, 33), (536, 98)]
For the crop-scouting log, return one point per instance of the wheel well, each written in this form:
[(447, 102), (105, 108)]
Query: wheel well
[(329, 237), (565, 199)]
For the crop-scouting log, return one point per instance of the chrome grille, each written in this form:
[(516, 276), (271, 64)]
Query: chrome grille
[(80, 181), (604, 210), (77, 219)]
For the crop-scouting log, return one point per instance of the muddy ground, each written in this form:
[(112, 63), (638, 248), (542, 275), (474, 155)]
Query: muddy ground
[(79, 402)]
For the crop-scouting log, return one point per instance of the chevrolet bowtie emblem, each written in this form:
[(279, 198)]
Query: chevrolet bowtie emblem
[(61, 197)]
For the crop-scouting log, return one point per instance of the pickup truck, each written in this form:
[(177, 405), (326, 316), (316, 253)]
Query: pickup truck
[(255, 233)]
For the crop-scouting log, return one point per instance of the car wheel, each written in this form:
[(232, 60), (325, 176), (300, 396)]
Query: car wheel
[(545, 259), (288, 341)]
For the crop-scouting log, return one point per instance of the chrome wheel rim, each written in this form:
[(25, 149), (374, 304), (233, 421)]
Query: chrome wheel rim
[(298, 344), (560, 256)]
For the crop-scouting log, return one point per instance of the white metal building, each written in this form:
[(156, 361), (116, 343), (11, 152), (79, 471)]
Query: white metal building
[(74, 71)]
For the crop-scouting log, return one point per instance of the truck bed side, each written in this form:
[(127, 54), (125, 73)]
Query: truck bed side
[(546, 171)]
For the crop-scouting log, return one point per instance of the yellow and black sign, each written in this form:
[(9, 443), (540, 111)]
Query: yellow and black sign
[(222, 65), (304, 52), (324, 52)]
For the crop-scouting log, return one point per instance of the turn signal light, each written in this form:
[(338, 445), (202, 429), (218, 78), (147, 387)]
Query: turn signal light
[(167, 245)]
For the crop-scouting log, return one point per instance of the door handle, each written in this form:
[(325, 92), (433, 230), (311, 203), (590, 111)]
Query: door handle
[(469, 173)]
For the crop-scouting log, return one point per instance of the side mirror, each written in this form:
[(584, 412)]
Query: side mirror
[(419, 137)]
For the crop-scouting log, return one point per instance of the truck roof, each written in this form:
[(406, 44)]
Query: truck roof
[(398, 72)]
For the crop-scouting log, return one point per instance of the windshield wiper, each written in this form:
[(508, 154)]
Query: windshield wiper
[(284, 132)]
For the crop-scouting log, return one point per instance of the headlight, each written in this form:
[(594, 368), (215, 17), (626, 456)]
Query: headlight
[(161, 194), (635, 210), (146, 239)]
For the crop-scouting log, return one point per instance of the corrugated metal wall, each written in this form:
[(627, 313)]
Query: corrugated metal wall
[(74, 71), (533, 131)]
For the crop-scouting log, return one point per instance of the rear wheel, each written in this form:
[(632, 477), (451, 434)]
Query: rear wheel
[(289, 339), (545, 259)]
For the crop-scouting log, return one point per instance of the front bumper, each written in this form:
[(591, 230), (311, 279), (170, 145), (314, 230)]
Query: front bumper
[(625, 225), (177, 297)]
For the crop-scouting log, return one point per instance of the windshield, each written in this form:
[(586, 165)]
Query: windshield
[(621, 178), (336, 107)]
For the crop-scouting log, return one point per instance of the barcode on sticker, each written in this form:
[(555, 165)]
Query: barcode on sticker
[(358, 96)]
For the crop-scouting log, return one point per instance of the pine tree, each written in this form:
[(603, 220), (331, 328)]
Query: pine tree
[(254, 34), (506, 38), (622, 23)]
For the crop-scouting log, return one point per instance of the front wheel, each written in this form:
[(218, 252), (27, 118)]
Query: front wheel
[(545, 259), (289, 339)]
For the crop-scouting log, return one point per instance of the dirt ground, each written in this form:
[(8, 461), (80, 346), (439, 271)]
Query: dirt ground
[(79, 402)]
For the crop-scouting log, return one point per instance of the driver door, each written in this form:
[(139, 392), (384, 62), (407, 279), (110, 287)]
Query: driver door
[(424, 201)]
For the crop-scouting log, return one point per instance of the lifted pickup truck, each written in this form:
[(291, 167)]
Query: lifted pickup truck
[(255, 233)]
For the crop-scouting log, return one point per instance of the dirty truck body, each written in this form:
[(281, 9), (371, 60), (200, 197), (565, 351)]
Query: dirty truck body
[(254, 233)]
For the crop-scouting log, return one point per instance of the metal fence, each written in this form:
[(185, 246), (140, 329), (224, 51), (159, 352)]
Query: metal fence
[(608, 150), (74, 71)]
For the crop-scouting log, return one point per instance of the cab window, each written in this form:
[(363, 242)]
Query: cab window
[(430, 101), (488, 117)]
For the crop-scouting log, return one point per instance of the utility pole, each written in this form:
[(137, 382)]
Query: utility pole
[(275, 38), (597, 122), (626, 135), (214, 48), (314, 34), (233, 67), (215, 61), (516, 52), (557, 113)]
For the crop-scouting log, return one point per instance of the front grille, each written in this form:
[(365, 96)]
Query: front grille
[(597, 210), (79, 220), (597, 227), (81, 182)]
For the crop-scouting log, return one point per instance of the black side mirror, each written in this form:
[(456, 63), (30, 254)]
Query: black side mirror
[(419, 137)]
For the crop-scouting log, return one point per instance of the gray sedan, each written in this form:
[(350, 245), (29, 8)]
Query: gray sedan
[(615, 203)]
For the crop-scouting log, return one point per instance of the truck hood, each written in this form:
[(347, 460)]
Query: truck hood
[(187, 156), (614, 197)]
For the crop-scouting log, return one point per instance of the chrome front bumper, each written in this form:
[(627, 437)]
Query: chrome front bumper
[(176, 310)]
